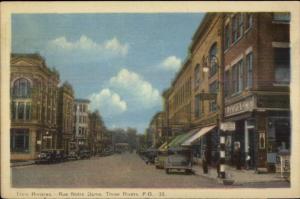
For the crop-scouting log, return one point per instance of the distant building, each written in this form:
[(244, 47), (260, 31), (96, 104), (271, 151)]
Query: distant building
[(34, 93), (81, 122), (97, 130), (65, 116), (158, 128)]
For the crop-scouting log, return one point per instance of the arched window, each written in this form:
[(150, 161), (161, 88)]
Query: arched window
[(21, 88), (21, 107), (212, 58)]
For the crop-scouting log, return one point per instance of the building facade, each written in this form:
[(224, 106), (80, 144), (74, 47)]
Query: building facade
[(257, 74), (65, 116), (158, 128), (81, 123), (34, 94), (207, 96), (96, 135), (239, 68)]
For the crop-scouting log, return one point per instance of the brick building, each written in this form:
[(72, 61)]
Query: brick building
[(158, 128), (257, 72), (237, 70), (97, 130), (34, 93), (65, 116)]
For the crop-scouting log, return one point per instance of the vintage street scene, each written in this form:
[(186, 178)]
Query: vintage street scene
[(159, 100)]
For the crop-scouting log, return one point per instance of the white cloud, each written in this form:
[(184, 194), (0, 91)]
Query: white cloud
[(172, 63), (108, 102), (138, 91), (86, 44)]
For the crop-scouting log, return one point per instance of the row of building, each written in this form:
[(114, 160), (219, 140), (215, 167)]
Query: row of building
[(236, 75), (45, 114)]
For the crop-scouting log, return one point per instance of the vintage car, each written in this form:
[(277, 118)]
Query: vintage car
[(159, 161), (179, 160), (73, 155), (50, 156), (84, 154)]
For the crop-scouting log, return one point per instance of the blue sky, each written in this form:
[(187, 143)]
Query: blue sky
[(121, 62)]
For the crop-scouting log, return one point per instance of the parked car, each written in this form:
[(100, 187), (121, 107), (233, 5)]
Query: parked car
[(73, 155), (179, 161), (159, 160), (50, 156), (84, 154)]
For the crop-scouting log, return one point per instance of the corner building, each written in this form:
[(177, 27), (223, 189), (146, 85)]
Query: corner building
[(256, 85), (34, 93)]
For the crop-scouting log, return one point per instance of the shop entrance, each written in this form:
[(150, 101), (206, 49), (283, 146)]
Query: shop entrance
[(251, 147)]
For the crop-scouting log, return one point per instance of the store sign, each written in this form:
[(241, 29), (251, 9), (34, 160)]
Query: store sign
[(240, 107), (47, 137), (39, 142), (227, 126)]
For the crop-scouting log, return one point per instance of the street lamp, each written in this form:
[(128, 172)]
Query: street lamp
[(208, 63)]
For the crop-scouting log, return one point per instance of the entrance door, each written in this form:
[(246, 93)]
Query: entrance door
[(252, 146)]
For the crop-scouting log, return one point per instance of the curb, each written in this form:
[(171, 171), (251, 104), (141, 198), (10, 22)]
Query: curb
[(21, 164), (220, 181)]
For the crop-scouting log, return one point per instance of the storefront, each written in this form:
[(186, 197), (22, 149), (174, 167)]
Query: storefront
[(262, 131)]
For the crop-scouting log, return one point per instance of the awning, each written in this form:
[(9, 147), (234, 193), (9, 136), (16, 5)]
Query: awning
[(178, 140), (196, 136), (163, 146)]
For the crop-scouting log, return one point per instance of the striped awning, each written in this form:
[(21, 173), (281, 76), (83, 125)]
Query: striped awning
[(197, 135)]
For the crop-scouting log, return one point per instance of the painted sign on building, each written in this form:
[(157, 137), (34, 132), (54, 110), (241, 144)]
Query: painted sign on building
[(246, 105)]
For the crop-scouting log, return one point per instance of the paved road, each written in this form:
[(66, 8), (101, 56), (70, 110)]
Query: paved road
[(119, 170)]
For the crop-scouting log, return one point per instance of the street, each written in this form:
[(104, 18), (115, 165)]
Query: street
[(118, 170), (125, 170)]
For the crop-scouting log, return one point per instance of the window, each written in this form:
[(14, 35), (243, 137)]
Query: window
[(249, 65), (213, 87), (241, 76), (197, 75), (283, 17), (227, 37), (197, 106), (234, 28), (241, 24), (21, 88), (213, 55), (282, 65), (234, 78), (226, 83), (249, 21), (237, 77), (19, 140)]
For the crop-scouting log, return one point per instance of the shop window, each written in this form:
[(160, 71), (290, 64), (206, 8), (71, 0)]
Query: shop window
[(19, 140), (282, 65), (249, 65)]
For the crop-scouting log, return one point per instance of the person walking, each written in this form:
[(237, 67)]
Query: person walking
[(204, 161)]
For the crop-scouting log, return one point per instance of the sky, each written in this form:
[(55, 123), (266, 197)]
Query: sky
[(120, 62)]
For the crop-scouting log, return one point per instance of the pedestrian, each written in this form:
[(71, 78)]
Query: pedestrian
[(248, 161), (238, 158), (204, 162)]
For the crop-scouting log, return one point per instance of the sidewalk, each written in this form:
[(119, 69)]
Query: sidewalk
[(21, 163), (239, 176)]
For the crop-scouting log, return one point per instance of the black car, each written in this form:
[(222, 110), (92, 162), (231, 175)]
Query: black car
[(84, 154), (50, 156)]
